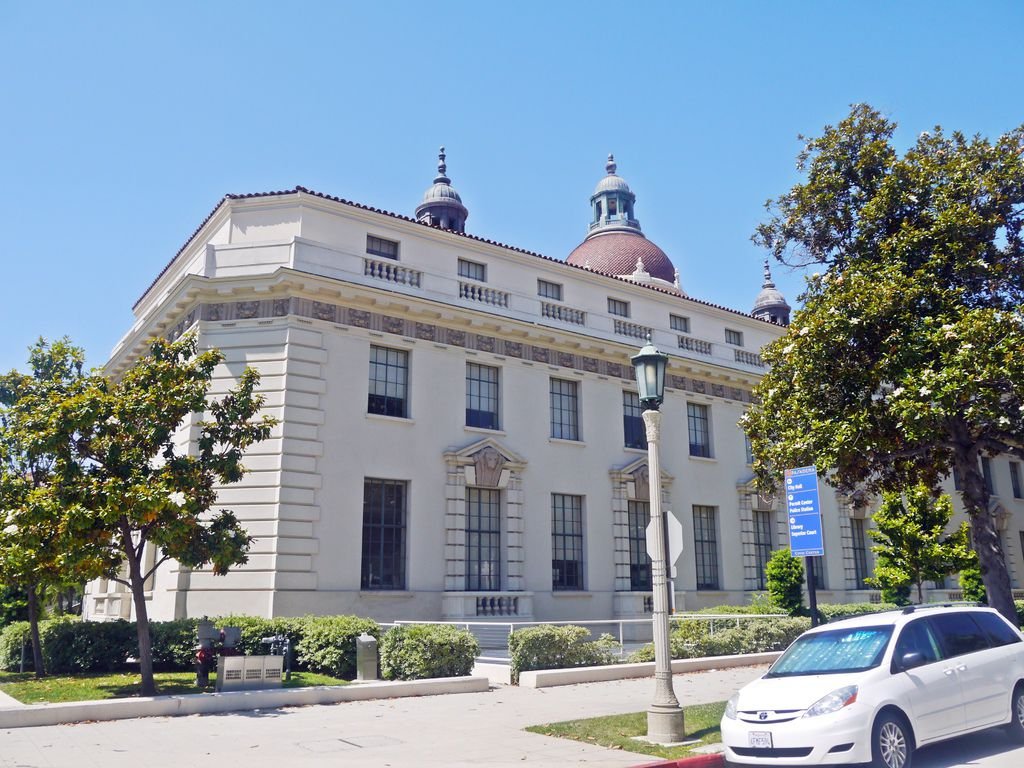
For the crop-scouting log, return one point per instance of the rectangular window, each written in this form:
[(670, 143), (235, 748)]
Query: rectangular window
[(384, 514), (472, 270), (733, 337), (956, 479), (705, 546), (548, 290), (679, 323), (818, 572), (748, 450), (566, 541), (481, 396), (639, 514), (378, 246), (1015, 478), (632, 422), (618, 307), (483, 539), (762, 544), (565, 421), (700, 430), (860, 553), (986, 471), (389, 378)]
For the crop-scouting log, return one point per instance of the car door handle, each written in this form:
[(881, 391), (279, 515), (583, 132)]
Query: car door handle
[(962, 668), (948, 672)]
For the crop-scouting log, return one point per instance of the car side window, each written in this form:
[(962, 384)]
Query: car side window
[(917, 637), (959, 633), (997, 630)]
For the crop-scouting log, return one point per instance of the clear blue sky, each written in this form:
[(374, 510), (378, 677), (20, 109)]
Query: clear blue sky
[(123, 123)]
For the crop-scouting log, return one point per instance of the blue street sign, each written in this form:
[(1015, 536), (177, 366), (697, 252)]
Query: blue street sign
[(805, 539)]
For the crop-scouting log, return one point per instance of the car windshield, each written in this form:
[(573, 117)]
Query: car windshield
[(833, 651)]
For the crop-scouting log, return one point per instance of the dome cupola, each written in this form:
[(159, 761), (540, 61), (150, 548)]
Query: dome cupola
[(615, 244), (770, 304), (441, 205)]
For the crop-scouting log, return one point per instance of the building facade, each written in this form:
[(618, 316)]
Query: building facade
[(459, 432)]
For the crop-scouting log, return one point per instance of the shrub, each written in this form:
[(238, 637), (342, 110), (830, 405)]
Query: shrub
[(174, 643), (785, 576), (328, 644), (417, 651), (695, 638), (971, 584), (11, 639), (897, 594), (72, 645), (836, 611), (557, 647)]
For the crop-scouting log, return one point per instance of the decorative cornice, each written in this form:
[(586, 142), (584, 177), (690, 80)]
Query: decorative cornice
[(380, 322)]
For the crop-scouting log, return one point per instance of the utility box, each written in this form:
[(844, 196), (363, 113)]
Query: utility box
[(366, 657), (246, 673)]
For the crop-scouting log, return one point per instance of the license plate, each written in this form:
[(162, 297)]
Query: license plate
[(760, 739)]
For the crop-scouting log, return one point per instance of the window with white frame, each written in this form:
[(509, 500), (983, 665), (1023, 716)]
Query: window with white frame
[(549, 290), (483, 539), (986, 472), (859, 550), (705, 546), (565, 413), (618, 307), (389, 378), (1015, 479), (566, 542), (378, 246), (679, 323), (472, 270), (384, 534), (639, 515), (762, 544), (633, 429), (481, 396), (699, 426), (733, 337)]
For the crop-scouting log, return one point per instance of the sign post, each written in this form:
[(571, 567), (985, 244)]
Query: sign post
[(805, 537)]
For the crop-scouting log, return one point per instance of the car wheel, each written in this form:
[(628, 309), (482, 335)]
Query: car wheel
[(1016, 726), (891, 742)]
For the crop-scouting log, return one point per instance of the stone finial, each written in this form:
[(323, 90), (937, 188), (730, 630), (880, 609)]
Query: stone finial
[(610, 166), (442, 167), (767, 276)]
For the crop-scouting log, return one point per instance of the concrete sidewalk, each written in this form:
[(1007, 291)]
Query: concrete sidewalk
[(466, 729)]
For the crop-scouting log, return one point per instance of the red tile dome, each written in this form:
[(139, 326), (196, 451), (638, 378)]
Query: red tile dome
[(616, 253)]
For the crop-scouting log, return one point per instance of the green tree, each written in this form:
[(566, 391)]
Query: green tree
[(40, 550), (122, 455), (911, 540), (785, 578), (904, 362)]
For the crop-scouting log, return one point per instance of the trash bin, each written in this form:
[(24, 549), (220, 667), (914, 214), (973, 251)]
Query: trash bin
[(366, 657)]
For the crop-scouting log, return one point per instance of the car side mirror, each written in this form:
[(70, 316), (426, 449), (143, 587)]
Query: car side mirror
[(911, 660)]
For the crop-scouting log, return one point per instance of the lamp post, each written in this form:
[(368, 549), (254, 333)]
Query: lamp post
[(664, 716)]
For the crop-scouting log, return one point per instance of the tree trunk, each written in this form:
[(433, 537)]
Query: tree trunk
[(988, 544), (985, 538), (33, 622), (141, 615)]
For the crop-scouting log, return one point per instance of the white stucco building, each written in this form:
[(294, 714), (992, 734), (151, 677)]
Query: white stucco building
[(459, 431)]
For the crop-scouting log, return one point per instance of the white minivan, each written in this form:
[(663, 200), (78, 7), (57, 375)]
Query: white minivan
[(873, 688)]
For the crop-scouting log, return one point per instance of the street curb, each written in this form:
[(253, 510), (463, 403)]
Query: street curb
[(27, 715), (700, 761)]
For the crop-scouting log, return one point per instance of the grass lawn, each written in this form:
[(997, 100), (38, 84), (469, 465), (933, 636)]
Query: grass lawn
[(617, 731), (118, 685)]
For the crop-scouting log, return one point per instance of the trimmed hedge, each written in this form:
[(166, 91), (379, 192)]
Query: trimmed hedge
[(836, 611), (695, 638), (328, 643), (418, 651), (71, 645), (557, 647)]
